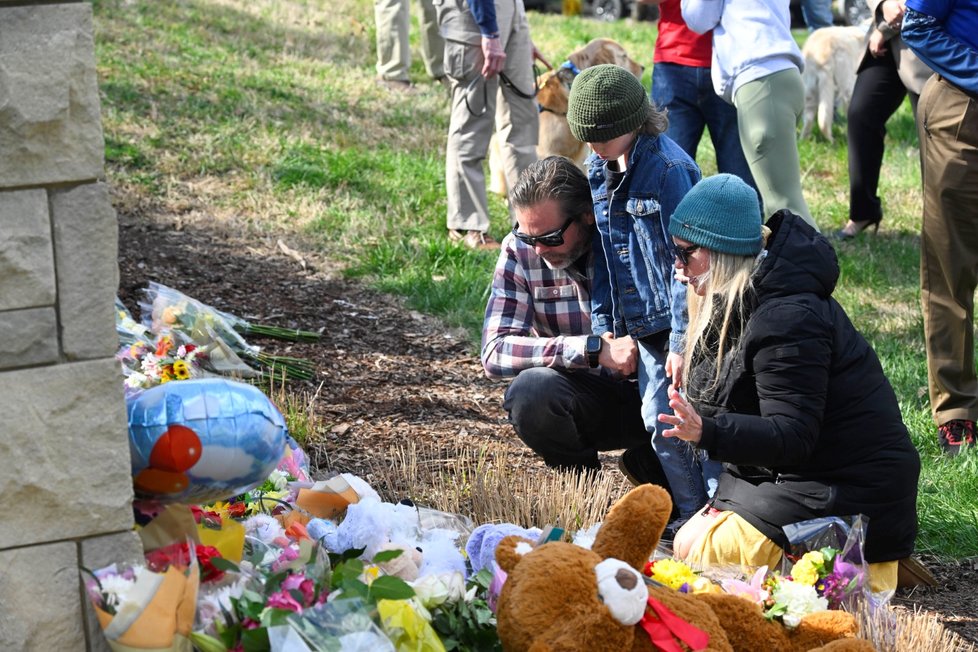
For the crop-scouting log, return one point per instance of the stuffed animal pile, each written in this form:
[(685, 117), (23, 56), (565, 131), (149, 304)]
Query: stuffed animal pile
[(561, 597)]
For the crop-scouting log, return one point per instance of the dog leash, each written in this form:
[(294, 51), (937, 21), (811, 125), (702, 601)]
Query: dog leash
[(507, 83)]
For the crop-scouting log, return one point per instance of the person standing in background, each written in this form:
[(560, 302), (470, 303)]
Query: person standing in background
[(392, 19), (762, 78), (944, 34), (889, 71), (816, 13), (489, 59), (681, 85)]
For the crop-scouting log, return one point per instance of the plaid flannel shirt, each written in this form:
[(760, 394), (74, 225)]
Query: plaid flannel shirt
[(536, 316)]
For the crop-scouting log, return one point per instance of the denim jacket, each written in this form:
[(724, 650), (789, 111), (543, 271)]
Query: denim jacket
[(635, 292)]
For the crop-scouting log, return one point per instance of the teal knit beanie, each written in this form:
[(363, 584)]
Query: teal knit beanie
[(605, 102), (720, 213)]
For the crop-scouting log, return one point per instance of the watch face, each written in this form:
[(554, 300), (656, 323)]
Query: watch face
[(593, 344)]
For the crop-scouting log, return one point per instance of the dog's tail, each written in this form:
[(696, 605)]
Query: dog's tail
[(826, 105)]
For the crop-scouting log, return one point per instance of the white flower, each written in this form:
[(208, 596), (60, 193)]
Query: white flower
[(278, 479), (135, 380), (433, 590), (798, 600), (116, 587)]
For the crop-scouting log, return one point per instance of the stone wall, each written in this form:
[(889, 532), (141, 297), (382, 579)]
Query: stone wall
[(64, 457)]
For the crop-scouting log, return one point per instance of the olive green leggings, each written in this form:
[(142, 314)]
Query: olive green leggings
[(768, 110)]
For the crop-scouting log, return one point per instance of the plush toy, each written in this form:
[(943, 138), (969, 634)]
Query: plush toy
[(375, 526), (560, 596)]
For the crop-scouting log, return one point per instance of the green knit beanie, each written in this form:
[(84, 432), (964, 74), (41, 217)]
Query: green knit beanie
[(605, 102), (720, 213)]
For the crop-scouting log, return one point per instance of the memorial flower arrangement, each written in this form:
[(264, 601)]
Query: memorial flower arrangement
[(148, 363), (820, 579)]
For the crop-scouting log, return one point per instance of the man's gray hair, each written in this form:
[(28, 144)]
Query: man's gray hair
[(554, 178)]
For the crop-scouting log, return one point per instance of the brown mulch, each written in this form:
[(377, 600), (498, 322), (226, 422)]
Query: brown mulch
[(386, 375)]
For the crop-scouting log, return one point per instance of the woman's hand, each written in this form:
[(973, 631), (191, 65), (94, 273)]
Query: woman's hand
[(686, 423), (877, 44)]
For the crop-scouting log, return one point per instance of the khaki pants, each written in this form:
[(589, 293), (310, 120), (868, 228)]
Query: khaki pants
[(393, 18), (947, 125), (767, 115), (479, 105)]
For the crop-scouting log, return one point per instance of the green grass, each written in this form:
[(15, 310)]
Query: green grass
[(266, 112)]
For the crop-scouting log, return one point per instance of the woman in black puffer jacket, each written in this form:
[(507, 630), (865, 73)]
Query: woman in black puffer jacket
[(782, 389)]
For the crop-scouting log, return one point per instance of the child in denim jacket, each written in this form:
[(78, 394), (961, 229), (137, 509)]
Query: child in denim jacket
[(637, 177)]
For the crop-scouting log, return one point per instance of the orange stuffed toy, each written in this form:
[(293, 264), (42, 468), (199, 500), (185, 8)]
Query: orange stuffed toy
[(562, 597)]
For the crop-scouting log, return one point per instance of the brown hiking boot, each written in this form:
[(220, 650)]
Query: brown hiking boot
[(474, 239)]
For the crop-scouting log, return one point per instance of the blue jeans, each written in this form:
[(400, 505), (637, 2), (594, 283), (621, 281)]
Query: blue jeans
[(817, 13), (687, 93), (692, 476)]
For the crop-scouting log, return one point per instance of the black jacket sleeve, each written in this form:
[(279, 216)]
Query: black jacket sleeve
[(788, 351)]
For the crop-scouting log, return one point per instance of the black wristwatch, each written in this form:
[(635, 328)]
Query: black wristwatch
[(592, 348)]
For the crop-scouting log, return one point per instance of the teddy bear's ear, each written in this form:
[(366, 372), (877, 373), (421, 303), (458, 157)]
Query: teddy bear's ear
[(632, 528), (510, 550)]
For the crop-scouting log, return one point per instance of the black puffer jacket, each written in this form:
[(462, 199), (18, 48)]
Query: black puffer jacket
[(803, 417)]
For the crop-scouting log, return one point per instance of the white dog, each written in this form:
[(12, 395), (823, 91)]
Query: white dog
[(832, 55)]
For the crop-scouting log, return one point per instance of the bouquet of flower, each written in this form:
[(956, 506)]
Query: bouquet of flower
[(813, 580), (147, 364), (166, 310), (677, 576), (141, 608)]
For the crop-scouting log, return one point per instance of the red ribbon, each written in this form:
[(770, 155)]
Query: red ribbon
[(663, 626)]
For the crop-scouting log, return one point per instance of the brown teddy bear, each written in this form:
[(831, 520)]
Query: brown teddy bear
[(562, 597)]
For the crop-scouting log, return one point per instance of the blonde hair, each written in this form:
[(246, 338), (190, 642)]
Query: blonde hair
[(717, 319)]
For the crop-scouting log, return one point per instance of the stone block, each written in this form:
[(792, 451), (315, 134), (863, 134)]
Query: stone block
[(28, 337), (86, 245), (41, 596), (50, 127), (64, 454), (26, 254)]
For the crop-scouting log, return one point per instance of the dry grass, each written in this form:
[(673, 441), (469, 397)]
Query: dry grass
[(903, 631), (492, 486)]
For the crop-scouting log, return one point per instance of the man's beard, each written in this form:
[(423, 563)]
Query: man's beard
[(566, 260)]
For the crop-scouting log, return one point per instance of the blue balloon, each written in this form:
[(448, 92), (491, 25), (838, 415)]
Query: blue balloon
[(202, 440)]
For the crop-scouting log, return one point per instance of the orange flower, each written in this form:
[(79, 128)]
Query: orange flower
[(163, 346)]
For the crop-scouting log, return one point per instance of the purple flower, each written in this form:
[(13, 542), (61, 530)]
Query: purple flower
[(844, 581)]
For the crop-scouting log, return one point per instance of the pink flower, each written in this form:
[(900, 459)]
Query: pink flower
[(283, 600), (753, 590), (298, 582), (288, 555)]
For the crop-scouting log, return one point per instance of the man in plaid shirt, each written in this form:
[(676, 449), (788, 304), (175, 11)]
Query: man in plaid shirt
[(570, 397)]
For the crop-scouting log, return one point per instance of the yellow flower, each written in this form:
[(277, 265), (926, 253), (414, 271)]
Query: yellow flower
[(672, 573), (181, 369), (166, 375), (805, 570)]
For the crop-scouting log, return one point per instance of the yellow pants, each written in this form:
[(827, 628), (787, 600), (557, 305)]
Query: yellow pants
[(730, 540)]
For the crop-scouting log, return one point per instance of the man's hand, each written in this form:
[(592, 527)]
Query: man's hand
[(494, 59), (539, 57), (877, 44), (619, 354)]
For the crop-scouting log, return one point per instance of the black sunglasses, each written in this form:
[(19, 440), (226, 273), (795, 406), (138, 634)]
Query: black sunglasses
[(552, 239), (682, 253)]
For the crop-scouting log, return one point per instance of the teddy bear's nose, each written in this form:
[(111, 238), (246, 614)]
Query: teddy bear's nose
[(625, 579)]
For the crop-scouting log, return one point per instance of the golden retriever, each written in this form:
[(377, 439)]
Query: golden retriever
[(554, 86), (832, 55)]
